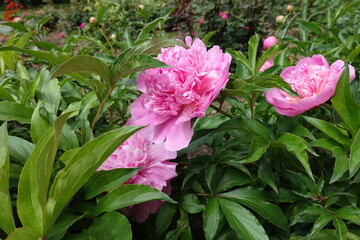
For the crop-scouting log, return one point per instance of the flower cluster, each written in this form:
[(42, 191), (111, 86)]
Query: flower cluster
[(313, 80), (171, 98)]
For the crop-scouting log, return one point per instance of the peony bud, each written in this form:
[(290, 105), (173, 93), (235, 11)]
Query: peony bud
[(289, 8), (61, 35), (82, 26), (280, 19), (93, 20), (113, 36), (269, 42), (17, 19), (141, 6), (24, 14)]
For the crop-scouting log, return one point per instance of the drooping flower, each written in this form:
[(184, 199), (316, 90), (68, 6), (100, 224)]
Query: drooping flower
[(173, 96), (312, 79), (269, 42), (82, 26), (267, 64), (140, 151)]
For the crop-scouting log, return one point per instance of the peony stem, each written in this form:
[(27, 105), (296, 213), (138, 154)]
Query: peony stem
[(222, 111)]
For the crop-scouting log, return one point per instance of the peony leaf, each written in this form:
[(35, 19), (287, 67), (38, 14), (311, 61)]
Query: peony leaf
[(6, 217), (109, 226), (345, 105), (128, 195), (242, 221), (341, 164), (340, 229), (321, 222), (60, 227), (81, 165), (211, 218), (355, 155), (12, 111), (103, 181)]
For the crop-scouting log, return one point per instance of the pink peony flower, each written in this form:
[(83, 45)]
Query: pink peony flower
[(24, 14), (61, 35), (82, 26), (223, 15), (140, 151), (202, 20), (269, 42), (267, 64), (173, 96), (312, 79), (40, 12)]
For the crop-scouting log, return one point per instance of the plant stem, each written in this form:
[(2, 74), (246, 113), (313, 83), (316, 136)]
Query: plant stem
[(101, 107), (221, 111), (112, 49), (252, 105)]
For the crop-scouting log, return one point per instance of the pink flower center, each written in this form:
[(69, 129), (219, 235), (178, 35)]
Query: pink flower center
[(308, 80)]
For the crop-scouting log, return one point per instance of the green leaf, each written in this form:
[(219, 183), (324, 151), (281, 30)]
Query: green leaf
[(51, 96), (297, 146), (355, 155), (128, 195), (109, 226), (320, 223), (257, 148), (12, 111), (266, 175), (79, 168), (60, 227), (239, 56), (255, 199), (20, 149), (330, 130), (18, 26), (102, 12), (35, 177), (246, 124), (6, 217), (341, 229), (148, 28), (311, 26), (103, 181), (87, 64), (258, 84), (191, 203), (242, 221), (269, 53), (211, 218), (51, 57), (345, 105), (135, 64), (341, 164), (148, 47), (23, 234), (349, 213), (39, 126), (252, 52), (164, 217), (231, 178), (4, 94)]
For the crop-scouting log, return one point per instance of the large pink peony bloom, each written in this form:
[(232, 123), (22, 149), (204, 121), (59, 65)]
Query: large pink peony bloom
[(140, 151), (173, 96), (313, 80)]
